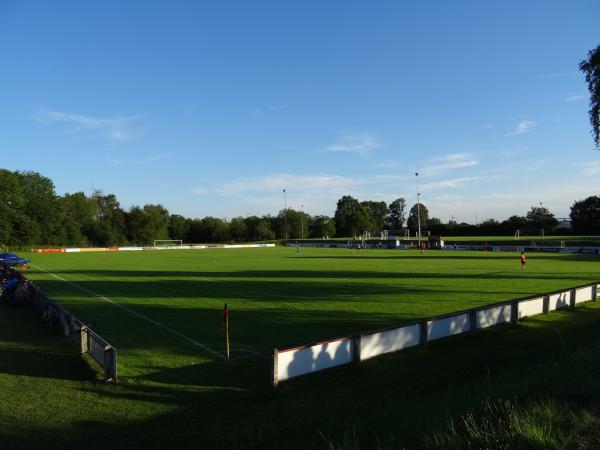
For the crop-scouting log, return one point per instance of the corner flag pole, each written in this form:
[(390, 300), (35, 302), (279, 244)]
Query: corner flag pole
[(226, 322)]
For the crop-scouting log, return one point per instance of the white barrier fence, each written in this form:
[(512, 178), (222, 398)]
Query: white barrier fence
[(90, 343), (296, 361), (131, 249)]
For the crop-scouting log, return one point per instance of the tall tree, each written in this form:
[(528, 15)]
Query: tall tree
[(377, 213), (179, 227), (413, 218), (238, 229), (396, 214), (321, 226), (213, 229), (11, 206), (110, 227), (41, 206), (80, 214), (591, 68), (540, 218), (585, 215), (296, 222), (514, 223), (351, 218), (158, 219)]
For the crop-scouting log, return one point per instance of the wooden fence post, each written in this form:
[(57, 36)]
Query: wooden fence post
[(356, 348), (473, 321), (85, 344), (274, 369), (110, 363), (514, 312), (423, 330), (546, 308)]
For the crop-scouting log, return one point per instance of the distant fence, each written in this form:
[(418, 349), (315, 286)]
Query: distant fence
[(296, 361), (57, 316), (397, 245), (130, 248)]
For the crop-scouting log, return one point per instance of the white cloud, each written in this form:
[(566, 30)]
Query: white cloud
[(200, 191), (117, 128), (574, 98), (448, 162), (485, 127), (292, 183), (389, 164), (450, 184), (355, 142), (150, 159), (589, 168), (449, 198), (129, 163), (524, 126)]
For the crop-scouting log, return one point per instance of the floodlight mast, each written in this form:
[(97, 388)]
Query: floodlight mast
[(418, 210), (285, 215), (301, 222), (542, 217)]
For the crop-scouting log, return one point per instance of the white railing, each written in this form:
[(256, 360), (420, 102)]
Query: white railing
[(90, 343), (296, 361)]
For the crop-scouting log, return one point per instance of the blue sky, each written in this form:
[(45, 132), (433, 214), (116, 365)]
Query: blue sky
[(212, 108)]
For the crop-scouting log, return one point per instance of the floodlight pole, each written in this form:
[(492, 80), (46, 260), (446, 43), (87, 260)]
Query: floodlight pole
[(285, 215), (301, 222), (542, 218), (418, 210)]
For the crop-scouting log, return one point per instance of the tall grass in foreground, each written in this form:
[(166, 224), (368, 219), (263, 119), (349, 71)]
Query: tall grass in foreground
[(561, 411)]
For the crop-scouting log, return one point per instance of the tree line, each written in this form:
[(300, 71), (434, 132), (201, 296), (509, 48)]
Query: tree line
[(31, 213)]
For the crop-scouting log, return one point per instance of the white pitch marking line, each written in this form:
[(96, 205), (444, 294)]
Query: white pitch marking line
[(141, 316)]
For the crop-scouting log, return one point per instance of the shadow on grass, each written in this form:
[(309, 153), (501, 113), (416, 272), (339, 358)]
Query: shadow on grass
[(402, 396), (28, 348), (200, 276)]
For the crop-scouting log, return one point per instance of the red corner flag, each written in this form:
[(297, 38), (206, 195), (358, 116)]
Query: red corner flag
[(226, 325)]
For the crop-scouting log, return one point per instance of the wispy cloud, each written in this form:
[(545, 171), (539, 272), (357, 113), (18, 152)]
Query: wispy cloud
[(524, 126), (152, 158), (389, 164), (200, 191), (298, 183), (449, 162), (355, 142), (450, 184), (574, 98), (589, 168), (130, 163), (484, 127), (116, 128)]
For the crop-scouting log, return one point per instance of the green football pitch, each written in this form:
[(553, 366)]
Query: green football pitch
[(164, 309)]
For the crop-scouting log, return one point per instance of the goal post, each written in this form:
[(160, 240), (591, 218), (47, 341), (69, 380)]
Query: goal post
[(167, 242)]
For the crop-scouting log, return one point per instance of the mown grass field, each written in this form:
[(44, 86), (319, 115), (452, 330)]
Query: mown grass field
[(175, 393)]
